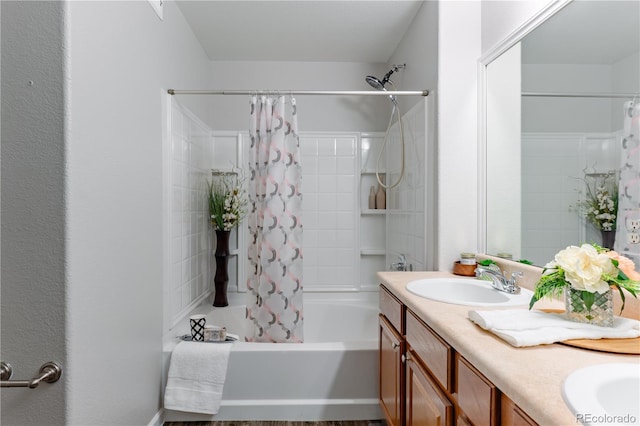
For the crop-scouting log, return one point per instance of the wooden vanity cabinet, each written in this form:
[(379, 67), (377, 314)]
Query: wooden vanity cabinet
[(428, 362), (391, 353), (391, 381), (424, 381)]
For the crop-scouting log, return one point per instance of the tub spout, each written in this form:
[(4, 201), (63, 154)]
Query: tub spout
[(401, 264)]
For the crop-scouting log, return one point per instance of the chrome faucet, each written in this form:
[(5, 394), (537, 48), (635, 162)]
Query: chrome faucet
[(499, 281), (401, 264)]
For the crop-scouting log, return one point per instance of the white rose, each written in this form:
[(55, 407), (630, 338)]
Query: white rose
[(584, 266)]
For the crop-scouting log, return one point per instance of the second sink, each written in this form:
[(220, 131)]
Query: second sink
[(461, 291), (604, 393)]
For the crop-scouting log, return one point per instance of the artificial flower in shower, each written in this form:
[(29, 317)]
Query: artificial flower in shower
[(227, 201)]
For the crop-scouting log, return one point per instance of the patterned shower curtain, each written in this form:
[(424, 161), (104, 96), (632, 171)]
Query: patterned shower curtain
[(629, 187), (275, 226)]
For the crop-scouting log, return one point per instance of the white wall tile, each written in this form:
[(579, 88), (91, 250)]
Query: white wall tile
[(551, 182), (191, 150)]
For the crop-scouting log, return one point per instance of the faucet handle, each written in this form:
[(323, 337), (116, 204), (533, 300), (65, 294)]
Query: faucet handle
[(516, 275), (512, 287)]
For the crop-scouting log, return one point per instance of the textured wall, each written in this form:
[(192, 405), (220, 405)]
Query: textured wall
[(33, 210)]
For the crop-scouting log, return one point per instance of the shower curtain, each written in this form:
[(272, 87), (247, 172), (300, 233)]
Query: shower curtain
[(629, 184), (275, 226)]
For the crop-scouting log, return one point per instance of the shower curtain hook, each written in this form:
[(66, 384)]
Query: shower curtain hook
[(632, 105)]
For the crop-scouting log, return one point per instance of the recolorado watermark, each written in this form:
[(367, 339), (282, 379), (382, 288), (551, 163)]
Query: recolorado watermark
[(606, 419)]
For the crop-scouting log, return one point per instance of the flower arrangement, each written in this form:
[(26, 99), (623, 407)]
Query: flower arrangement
[(601, 204), (589, 269), (227, 201)]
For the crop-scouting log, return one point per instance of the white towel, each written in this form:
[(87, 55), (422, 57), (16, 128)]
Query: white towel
[(521, 327), (197, 372)]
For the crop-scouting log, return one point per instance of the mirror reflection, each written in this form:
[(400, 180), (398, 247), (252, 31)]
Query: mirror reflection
[(556, 103)]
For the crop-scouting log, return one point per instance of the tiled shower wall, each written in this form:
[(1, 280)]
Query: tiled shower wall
[(329, 187), (190, 159), (552, 176), (409, 205)]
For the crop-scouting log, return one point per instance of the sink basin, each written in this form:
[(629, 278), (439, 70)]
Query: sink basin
[(604, 393), (460, 291)]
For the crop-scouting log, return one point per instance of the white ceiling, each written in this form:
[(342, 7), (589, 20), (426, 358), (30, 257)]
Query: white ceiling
[(302, 30), (586, 32)]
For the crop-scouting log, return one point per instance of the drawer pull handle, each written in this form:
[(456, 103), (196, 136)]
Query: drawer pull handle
[(406, 357), (395, 345)]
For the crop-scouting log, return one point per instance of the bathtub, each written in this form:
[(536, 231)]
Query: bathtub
[(333, 375)]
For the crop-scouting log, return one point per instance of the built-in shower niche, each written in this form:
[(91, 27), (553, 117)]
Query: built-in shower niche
[(372, 220)]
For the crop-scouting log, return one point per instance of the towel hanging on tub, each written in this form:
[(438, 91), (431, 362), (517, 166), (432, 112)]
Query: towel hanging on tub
[(197, 372)]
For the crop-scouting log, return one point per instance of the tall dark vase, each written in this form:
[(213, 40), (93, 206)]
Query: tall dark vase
[(221, 279), (608, 239)]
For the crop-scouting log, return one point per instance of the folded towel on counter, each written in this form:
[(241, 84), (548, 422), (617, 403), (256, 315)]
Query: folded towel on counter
[(521, 327), (197, 372)]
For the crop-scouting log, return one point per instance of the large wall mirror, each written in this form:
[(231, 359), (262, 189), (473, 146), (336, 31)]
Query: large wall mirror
[(555, 98)]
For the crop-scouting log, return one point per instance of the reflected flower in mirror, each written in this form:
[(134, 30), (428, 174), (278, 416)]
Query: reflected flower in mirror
[(600, 203)]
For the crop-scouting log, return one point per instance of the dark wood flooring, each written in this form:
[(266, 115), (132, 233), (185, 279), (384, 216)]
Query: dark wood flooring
[(279, 423)]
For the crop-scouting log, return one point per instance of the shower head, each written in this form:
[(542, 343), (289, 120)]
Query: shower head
[(378, 84), (375, 82)]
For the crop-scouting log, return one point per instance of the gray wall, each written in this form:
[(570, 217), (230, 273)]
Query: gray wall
[(33, 207)]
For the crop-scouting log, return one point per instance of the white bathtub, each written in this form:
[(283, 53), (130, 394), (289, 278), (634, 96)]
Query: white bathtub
[(332, 376)]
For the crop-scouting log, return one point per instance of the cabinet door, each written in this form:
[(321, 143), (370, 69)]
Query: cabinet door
[(477, 396), (391, 373), (426, 404), (512, 415)]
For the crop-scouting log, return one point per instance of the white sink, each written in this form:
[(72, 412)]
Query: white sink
[(604, 393), (471, 292)]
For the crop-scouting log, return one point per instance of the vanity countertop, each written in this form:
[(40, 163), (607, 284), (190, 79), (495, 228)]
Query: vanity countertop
[(532, 377)]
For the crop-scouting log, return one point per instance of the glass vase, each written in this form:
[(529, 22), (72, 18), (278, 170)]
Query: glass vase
[(591, 308)]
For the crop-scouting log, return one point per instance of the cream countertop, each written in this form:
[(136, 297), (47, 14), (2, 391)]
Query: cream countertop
[(532, 377)]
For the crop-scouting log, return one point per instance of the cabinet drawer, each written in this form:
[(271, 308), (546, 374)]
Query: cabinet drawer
[(435, 353), (477, 396), (391, 308)]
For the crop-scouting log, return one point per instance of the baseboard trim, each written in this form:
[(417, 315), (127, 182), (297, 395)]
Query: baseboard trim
[(158, 419)]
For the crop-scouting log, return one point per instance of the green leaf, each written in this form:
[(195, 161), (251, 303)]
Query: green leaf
[(588, 299), (533, 301), (486, 262), (621, 297), (549, 285)]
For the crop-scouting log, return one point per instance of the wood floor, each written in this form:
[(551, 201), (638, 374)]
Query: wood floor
[(279, 423)]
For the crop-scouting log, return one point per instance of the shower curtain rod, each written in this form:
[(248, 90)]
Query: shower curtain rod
[(580, 95), (302, 92)]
